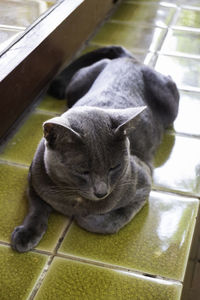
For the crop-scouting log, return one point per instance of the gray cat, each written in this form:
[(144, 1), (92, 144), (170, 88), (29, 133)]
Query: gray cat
[(95, 161)]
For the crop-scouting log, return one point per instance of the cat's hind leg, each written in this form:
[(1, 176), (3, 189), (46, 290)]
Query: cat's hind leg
[(58, 85), (27, 236), (161, 94)]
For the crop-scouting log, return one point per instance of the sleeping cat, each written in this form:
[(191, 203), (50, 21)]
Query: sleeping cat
[(95, 161)]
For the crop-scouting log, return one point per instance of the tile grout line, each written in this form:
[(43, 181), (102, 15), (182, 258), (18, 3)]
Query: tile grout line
[(182, 134), (173, 19), (41, 278), (13, 164), (157, 188), (115, 267), (179, 54), (47, 112), (49, 262), (62, 236)]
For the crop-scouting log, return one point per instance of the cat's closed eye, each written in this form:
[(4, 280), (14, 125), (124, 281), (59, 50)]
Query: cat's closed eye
[(85, 172), (115, 168)]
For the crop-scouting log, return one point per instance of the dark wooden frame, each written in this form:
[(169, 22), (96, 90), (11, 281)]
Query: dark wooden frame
[(28, 66)]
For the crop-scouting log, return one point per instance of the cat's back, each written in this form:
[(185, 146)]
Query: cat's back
[(119, 85)]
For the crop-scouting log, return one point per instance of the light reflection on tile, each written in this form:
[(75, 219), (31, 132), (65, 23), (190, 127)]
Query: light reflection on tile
[(151, 14), (189, 18), (132, 37), (7, 36), (21, 13), (188, 120), (190, 3), (17, 16), (181, 170), (182, 41), (184, 71), (156, 241)]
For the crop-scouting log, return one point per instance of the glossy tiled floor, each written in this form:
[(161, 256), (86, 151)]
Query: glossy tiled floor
[(148, 258), (16, 16)]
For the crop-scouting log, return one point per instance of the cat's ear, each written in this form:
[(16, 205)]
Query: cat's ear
[(126, 118), (57, 130)]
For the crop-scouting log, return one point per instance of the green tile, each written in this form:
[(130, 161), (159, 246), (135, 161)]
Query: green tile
[(22, 146), (13, 200), (130, 36), (54, 105), (184, 71), (189, 18), (188, 117), (19, 273), (182, 42), (73, 280), (181, 170), (157, 241), (148, 13), (14, 207)]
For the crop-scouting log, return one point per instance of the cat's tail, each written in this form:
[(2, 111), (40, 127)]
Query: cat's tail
[(58, 85)]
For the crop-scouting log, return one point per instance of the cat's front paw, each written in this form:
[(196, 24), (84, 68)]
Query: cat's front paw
[(24, 239)]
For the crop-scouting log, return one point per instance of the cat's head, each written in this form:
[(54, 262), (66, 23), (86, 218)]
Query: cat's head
[(88, 149)]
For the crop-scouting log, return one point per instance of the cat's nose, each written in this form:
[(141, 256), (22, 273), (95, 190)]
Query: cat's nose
[(100, 189), (100, 195)]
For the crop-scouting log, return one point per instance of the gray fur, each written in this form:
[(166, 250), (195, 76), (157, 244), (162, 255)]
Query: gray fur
[(94, 162)]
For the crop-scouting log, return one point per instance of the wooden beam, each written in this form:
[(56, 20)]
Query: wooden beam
[(28, 66)]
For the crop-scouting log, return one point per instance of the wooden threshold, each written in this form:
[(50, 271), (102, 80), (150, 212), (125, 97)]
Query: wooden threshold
[(28, 66)]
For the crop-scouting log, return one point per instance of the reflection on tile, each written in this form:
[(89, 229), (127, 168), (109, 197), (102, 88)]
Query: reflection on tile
[(88, 282), (188, 117), (189, 18), (22, 146), (151, 14), (164, 151), (21, 13), (51, 104), (182, 41), (19, 272), (132, 37), (155, 242), (7, 36), (167, 1), (190, 3), (181, 172), (184, 71)]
